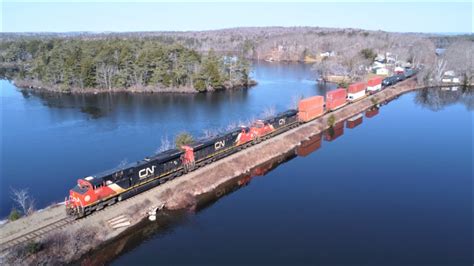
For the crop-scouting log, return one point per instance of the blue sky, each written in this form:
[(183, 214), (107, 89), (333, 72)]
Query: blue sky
[(119, 15)]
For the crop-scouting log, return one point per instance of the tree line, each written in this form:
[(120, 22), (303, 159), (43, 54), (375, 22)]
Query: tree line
[(120, 63)]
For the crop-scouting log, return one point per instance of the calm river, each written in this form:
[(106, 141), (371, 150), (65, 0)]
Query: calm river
[(395, 189)]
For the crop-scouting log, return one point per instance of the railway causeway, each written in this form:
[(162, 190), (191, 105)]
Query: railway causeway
[(177, 193)]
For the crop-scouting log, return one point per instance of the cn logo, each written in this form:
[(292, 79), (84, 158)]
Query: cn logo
[(219, 144), (146, 172), (281, 121)]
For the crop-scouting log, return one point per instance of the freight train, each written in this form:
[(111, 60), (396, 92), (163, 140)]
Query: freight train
[(95, 192)]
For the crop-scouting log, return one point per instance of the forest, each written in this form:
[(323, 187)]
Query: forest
[(118, 64), (217, 59)]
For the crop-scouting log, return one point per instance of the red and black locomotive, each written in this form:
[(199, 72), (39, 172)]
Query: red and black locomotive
[(96, 192)]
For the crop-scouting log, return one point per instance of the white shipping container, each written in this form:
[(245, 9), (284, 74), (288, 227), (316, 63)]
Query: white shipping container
[(355, 96), (374, 88)]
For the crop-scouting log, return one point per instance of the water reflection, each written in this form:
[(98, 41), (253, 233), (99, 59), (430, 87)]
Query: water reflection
[(436, 99), (309, 146), (372, 112), (104, 104), (354, 121), (335, 131)]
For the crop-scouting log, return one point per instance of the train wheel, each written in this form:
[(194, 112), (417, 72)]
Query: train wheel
[(111, 202)]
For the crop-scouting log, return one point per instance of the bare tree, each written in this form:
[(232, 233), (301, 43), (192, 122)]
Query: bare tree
[(295, 99), (23, 199), (232, 125), (439, 69), (165, 144), (323, 69), (269, 111), (122, 163), (209, 133), (459, 57)]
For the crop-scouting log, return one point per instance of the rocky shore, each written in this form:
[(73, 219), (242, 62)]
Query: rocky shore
[(36, 85)]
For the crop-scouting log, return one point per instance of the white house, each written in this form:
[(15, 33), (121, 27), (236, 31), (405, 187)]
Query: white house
[(327, 54), (381, 71), (450, 77)]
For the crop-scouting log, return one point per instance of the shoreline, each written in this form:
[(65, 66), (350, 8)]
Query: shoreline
[(37, 86)]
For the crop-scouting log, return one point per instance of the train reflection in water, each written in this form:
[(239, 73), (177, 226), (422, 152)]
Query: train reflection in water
[(372, 112), (354, 121), (309, 146)]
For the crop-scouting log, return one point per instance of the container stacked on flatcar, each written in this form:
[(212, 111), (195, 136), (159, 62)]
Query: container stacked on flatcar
[(374, 84), (356, 91), (336, 99), (310, 108)]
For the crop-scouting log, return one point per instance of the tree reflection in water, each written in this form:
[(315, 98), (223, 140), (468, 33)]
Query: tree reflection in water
[(436, 99)]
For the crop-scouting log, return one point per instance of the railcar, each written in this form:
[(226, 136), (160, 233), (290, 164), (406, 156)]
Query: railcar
[(205, 151), (95, 192), (284, 119)]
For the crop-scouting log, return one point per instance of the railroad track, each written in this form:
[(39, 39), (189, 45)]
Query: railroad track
[(40, 231), (36, 233)]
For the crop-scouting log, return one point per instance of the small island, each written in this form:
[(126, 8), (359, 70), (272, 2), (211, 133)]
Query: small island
[(74, 65)]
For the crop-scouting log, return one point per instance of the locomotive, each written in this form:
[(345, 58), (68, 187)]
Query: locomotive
[(95, 192)]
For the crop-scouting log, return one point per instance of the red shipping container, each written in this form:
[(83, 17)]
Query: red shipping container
[(356, 87), (374, 81), (335, 98), (310, 103), (310, 114)]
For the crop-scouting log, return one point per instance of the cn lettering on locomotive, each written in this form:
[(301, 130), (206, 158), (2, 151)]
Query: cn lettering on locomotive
[(146, 172), (219, 144)]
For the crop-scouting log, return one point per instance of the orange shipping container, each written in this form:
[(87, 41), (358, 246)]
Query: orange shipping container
[(310, 114), (335, 98), (356, 87), (374, 81), (310, 103)]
